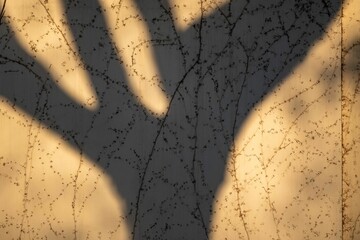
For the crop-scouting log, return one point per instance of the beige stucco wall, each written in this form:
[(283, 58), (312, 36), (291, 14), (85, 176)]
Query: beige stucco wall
[(292, 172), (350, 119)]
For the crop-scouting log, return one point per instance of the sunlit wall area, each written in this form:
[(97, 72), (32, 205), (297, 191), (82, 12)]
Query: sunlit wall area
[(210, 119), (351, 119)]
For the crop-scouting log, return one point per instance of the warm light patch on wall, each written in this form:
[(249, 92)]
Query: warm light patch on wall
[(48, 189), (351, 119), (187, 12), (42, 30)]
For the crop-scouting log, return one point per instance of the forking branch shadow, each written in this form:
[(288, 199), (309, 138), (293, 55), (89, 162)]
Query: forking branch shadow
[(168, 169)]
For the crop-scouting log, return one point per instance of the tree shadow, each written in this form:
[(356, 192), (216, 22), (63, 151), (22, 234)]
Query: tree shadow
[(168, 170)]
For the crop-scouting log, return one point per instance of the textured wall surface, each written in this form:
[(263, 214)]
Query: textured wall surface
[(170, 119), (351, 120)]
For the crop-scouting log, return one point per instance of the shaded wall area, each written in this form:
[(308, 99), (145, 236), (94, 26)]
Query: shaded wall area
[(172, 120)]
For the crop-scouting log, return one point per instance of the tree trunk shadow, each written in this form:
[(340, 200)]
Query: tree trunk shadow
[(168, 170)]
